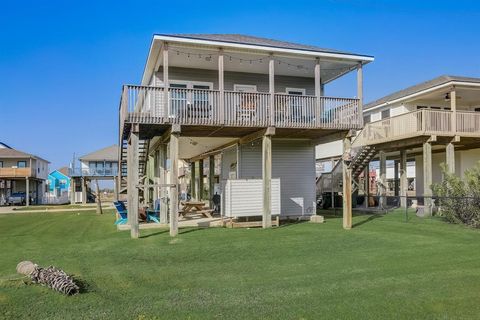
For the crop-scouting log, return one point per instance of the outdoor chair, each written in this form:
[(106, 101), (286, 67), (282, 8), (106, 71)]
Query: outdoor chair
[(154, 215), (122, 212)]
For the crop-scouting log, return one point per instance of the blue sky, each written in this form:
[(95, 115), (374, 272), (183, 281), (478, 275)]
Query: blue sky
[(62, 63)]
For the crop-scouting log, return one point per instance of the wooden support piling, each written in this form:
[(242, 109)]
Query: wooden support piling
[(175, 135)]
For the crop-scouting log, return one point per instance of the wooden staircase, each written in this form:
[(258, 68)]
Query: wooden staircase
[(362, 159), (143, 146)]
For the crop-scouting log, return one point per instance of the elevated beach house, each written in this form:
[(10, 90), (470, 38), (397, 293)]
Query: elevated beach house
[(256, 105), (22, 175), (101, 164), (415, 129), (434, 122)]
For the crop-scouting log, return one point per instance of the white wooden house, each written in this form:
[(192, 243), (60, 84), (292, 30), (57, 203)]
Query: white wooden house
[(433, 122), (257, 102)]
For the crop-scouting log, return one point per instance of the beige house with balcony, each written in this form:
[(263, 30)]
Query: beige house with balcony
[(256, 105), (434, 122), (22, 172)]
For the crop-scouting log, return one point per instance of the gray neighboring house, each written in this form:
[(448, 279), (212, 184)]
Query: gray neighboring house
[(258, 103)]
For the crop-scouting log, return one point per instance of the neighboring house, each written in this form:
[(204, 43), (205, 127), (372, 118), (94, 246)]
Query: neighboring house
[(98, 165), (22, 173), (59, 185), (434, 122), (256, 102)]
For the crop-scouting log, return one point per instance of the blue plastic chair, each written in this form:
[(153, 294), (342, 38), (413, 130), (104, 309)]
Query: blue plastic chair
[(154, 215), (122, 211)]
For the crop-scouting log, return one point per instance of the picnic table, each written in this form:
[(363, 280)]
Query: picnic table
[(196, 207)]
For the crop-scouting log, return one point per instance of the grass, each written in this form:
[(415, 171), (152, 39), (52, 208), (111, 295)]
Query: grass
[(384, 268)]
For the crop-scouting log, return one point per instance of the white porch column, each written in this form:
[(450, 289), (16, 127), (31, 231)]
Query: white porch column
[(27, 191), (360, 91), (383, 180), (271, 84), (174, 137), (267, 177), (453, 108), (133, 184), (427, 178), (347, 184), (403, 178), (166, 83), (221, 87), (450, 157), (318, 90), (72, 190)]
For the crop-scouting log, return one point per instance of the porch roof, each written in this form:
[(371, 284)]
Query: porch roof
[(257, 41), (106, 154), (334, 63), (10, 153), (440, 82)]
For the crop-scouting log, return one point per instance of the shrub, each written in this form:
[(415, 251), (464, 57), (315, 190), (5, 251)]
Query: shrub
[(459, 199)]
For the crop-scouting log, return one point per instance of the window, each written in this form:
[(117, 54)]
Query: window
[(1, 164), (366, 119), (295, 104), (192, 103), (245, 88), (21, 164), (296, 91), (385, 114), (477, 109)]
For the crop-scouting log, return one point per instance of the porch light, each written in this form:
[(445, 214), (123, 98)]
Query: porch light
[(447, 96)]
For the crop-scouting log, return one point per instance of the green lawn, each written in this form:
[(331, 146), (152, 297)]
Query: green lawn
[(382, 269)]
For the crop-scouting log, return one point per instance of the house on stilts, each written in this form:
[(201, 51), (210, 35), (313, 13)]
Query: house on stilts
[(253, 107), (415, 129)]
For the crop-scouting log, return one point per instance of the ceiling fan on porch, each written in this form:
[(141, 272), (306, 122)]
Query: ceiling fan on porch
[(447, 97)]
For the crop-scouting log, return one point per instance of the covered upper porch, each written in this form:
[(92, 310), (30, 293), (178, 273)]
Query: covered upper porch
[(239, 81), (446, 107)]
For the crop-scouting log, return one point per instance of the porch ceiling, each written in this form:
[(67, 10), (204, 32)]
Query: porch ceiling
[(256, 62), (466, 97), (190, 147)]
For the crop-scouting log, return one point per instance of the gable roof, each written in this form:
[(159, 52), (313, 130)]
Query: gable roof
[(106, 154), (9, 153), (252, 40), (63, 170), (4, 145), (442, 80), (12, 153), (59, 172)]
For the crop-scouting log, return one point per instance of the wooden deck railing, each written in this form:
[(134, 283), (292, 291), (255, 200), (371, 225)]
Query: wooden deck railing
[(16, 172), (420, 122), (140, 104)]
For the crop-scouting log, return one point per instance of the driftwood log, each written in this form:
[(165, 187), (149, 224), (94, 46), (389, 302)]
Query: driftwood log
[(51, 277)]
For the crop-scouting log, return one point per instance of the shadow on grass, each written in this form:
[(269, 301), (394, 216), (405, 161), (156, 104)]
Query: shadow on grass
[(370, 218), (289, 223), (180, 231)]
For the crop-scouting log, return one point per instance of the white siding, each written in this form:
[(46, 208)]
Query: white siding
[(244, 197), (329, 150), (293, 162)]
